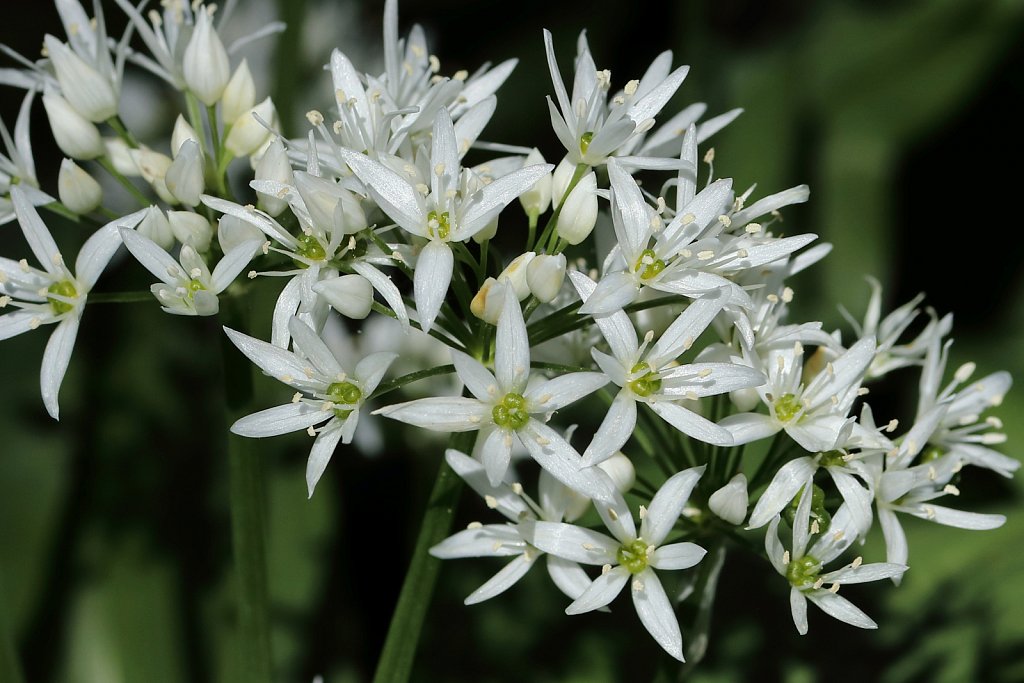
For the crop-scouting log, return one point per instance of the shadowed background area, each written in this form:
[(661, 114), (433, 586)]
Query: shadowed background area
[(903, 118)]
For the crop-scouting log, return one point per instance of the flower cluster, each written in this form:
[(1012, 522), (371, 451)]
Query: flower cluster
[(625, 285)]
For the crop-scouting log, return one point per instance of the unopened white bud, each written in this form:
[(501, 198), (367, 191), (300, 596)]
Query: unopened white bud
[(232, 231), (545, 276), (191, 229), (730, 501), (153, 167), (247, 134), (183, 132), (205, 65), (745, 400), (184, 177), (537, 199), (350, 295), (487, 232), (77, 189), (515, 274), (489, 301), (274, 165), (156, 227), (579, 211), (84, 88), (560, 179), (120, 156), (330, 205), (76, 136), (239, 95), (621, 470)]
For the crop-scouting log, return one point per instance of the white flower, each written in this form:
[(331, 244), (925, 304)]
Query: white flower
[(78, 190), (512, 540), (205, 66), (188, 287), (326, 393), (184, 177), (631, 557), (803, 567), (249, 131), (452, 209), (654, 378), (730, 501), (239, 94), (94, 95), (76, 136), (17, 166), (53, 294), (502, 408)]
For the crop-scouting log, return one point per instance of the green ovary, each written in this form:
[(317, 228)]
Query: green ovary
[(633, 556), (648, 265), (647, 381), (443, 228), (787, 407), (344, 393), (832, 459), (803, 571), (510, 412), (818, 512), (585, 140), (310, 248), (64, 289)]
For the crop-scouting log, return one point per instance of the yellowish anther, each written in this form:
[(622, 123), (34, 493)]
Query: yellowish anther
[(517, 488), (643, 512), (311, 431), (631, 87), (491, 501), (753, 228), (314, 117), (725, 220), (460, 75), (474, 525)]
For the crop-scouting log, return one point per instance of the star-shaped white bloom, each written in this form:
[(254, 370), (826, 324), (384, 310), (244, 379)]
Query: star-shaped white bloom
[(54, 294), (324, 392), (631, 557), (803, 567), (502, 408), (452, 209), (652, 376), (512, 539), (187, 286), (17, 166)]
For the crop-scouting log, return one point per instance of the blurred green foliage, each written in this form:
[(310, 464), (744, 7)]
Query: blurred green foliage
[(114, 536)]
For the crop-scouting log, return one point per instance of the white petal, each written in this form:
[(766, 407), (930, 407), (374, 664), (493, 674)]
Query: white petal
[(876, 571), (895, 539), (495, 455), (692, 424), (782, 490), (561, 391), (154, 259), (233, 263), (568, 576), (613, 292), (444, 150), (440, 414), (616, 516), (840, 608), (285, 307), (323, 448), (575, 543), (634, 229), (773, 202), (503, 580), (97, 251), (272, 360), (18, 322), (847, 371), (290, 417), (431, 278), (383, 284), (650, 104), (615, 429), (473, 473), (511, 348), (958, 518), (857, 498), (556, 77), (616, 327), (36, 233), (818, 433), (748, 427), (310, 345), (721, 377), (475, 376), (773, 547), (655, 611), (489, 540), (798, 606), (677, 556), (55, 362), (685, 330), (667, 504), (370, 370), (396, 197), (555, 455), (600, 592)]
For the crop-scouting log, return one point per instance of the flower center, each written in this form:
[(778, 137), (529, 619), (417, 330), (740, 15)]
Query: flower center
[(310, 248), (787, 407), (585, 140), (633, 556), (510, 412), (344, 392), (803, 571), (648, 265), (832, 459), (438, 225), (818, 513), (647, 381), (63, 288), (931, 453)]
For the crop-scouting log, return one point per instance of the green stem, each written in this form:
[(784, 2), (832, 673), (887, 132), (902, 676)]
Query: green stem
[(119, 297), (396, 659), (122, 131), (399, 382), (546, 333), (195, 115), (707, 588), (532, 233), (447, 341), (108, 166), (248, 522), (65, 212), (10, 668), (552, 224)]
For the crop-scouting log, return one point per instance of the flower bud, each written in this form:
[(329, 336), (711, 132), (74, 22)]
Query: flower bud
[(579, 212), (183, 132), (232, 231), (515, 274), (350, 295), (84, 88), (153, 168), (239, 95), (487, 232), (489, 301), (247, 134), (537, 199), (274, 165), (621, 471), (205, 65), (184, 177), (120, 155), (560, 179), (77, 189), (156, 227), (745, 400), (76, 136), (545, 276), (330, 206), (191, 229), (730, 501)]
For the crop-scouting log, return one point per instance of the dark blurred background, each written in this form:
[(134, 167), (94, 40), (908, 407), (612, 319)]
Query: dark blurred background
[(903, 117)]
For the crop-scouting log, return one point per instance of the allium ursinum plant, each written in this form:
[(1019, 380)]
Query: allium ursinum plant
[(724, 418)]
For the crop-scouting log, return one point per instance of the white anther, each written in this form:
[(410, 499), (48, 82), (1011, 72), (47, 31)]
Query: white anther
[(725, 220), (753, 228), (815, 527), (638, 585), (296, 397), (517, 488), (704, 373), (772, 299), (787, 294), (613, 514), (491, 502), (786, 557), (951, 490), (311, 431), (818, 584), (34, 323), (834, 588), (709, 156), (24, 265), (266, 247), (643, 512), (474, 525), (541, 441), (460, 75), (605, 569), (705, 255), (964, 372), (932, 473), (857, 561), (4, 301), (314, 117), (631, 87)]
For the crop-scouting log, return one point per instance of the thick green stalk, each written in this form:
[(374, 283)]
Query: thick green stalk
[(396, 659), (10, 668), (248, 519)]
